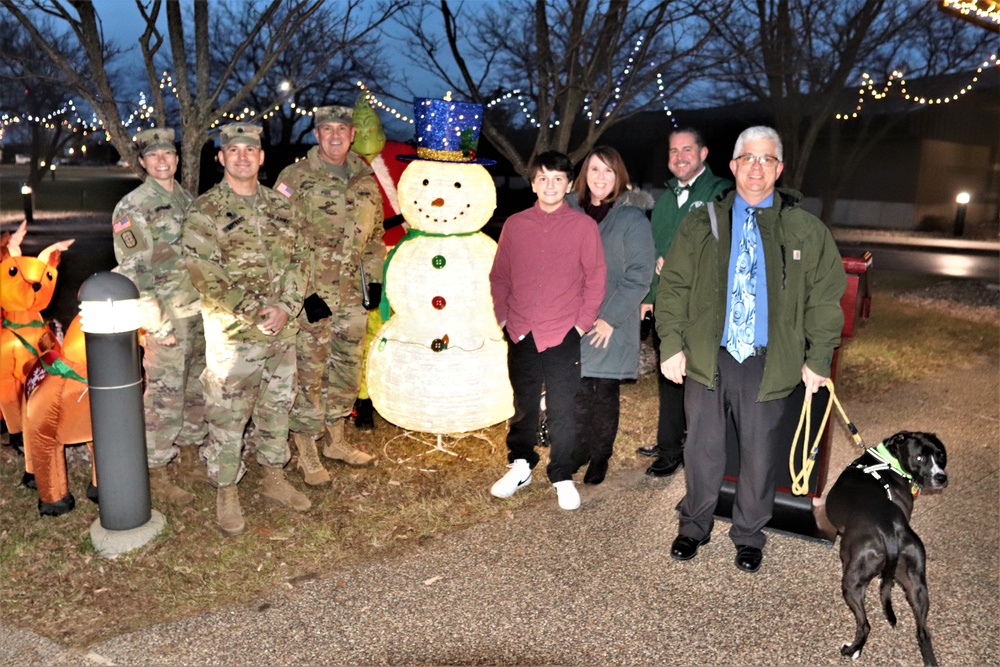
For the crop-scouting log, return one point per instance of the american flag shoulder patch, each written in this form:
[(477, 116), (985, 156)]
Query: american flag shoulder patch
[(121, 225), (284, 189)]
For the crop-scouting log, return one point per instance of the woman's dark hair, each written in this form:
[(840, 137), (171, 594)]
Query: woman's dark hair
[(613, 159)]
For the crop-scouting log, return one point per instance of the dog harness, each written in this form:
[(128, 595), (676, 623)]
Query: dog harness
[(887, 462)]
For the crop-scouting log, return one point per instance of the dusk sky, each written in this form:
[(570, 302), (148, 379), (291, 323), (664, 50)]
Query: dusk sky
[(123, 24)]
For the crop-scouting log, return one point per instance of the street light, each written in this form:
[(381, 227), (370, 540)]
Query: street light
[(28, 205), (962, 199), (285, 86)]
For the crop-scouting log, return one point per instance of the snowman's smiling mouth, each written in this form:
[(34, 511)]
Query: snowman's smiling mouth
[(438, 203)]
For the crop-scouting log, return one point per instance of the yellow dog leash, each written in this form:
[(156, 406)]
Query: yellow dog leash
[(800, 479)]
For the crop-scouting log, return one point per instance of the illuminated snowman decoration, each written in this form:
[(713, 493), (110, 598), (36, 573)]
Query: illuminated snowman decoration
[(439, 364)]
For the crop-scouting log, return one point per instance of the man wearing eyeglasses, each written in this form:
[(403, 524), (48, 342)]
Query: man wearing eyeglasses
[(748, 306)]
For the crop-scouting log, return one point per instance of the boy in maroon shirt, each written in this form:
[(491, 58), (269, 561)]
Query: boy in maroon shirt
[(548, 284)]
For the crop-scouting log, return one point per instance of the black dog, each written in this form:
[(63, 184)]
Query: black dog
[(870, 506)]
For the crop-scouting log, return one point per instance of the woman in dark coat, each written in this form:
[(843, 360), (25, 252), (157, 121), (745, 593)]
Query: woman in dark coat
[(610, 351)]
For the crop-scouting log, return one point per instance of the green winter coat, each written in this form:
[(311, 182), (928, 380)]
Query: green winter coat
[(805, 281), (667, 215)]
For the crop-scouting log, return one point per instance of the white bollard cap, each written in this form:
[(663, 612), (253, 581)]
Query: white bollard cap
[(109, 303)]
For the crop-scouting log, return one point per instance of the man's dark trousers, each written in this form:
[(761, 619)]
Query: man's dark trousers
[(758, 427), (558, 368), (671, 424)]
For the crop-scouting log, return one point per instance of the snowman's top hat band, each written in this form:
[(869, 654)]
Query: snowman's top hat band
[(444, 156)]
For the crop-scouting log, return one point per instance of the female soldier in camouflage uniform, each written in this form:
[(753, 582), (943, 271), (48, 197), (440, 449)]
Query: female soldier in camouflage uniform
[(147, 239)]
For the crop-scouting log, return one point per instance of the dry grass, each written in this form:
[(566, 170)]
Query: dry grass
[(55, 585)]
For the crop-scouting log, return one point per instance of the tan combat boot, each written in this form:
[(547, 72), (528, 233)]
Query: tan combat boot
[(162, 486), (191, 467), (313, 471), (228, 512), (338, 449), (277, 488)]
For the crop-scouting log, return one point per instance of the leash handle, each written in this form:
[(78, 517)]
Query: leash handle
[(800, 476)]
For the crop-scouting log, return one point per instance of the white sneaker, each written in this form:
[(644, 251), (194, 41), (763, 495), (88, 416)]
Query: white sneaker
[(569, 497), (518, 477)]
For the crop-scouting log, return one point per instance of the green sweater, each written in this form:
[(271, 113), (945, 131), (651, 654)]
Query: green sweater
[(667, 215), (805, 281)]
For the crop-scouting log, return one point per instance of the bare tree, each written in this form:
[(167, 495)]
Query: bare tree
[(34, 88), (804, 60), (581, 66), (321, 65), (203, 96)]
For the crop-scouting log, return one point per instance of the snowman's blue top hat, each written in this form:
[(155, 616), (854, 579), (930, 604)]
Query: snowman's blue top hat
[(447, 131)]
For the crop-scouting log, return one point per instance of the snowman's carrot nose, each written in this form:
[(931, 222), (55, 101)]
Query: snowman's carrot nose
[(437, 202)]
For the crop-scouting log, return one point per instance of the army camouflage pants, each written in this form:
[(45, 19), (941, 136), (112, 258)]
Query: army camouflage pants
[(174, 400), (329, 355), (245, 380)]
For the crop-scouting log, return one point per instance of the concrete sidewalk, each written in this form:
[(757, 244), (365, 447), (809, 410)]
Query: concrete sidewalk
[(597, 586)]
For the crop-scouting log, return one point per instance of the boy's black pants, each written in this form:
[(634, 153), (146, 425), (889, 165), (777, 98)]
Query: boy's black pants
[(558, 369)]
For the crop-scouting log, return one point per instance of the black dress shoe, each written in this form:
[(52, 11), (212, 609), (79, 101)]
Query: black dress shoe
[(596, 472), (748, 558), (651, 451), (664, 466), (686, 548)]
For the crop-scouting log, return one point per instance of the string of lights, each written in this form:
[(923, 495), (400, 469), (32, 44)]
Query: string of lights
[(986, 11), (868, 90), (69, 117)]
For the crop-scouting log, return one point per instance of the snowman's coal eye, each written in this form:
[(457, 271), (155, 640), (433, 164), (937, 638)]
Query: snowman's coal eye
[(426, 182), (458, 185)]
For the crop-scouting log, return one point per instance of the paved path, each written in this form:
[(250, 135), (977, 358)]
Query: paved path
[(596, 586)]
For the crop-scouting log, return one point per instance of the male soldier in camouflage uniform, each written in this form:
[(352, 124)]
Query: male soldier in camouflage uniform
[(342, 205), (147, 238), (249, 260)]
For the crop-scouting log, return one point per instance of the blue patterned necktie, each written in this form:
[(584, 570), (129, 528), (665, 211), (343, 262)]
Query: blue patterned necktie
[(739, 341)]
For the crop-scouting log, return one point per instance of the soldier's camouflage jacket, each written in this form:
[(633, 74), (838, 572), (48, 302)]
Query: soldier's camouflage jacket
[(147, 237), (341, 218), (244, 256)]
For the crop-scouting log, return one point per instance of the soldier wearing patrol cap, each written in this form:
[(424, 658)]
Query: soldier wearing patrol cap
[(147, 240), (342, 206), (249, 261)]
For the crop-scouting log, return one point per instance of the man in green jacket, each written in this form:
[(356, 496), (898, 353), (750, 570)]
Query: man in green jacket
[(693, 186), (748, 306)]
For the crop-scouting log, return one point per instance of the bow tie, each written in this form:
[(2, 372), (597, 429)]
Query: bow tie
[(678, 189)]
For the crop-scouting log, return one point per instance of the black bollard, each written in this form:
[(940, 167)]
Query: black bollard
[(110, 322), (963, 204), (29, 202)]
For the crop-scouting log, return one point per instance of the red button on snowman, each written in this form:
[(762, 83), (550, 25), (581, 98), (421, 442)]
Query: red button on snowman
[(439, 364)]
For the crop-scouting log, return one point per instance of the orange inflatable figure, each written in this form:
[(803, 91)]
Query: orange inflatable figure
[(26, 288), (57, 413)]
